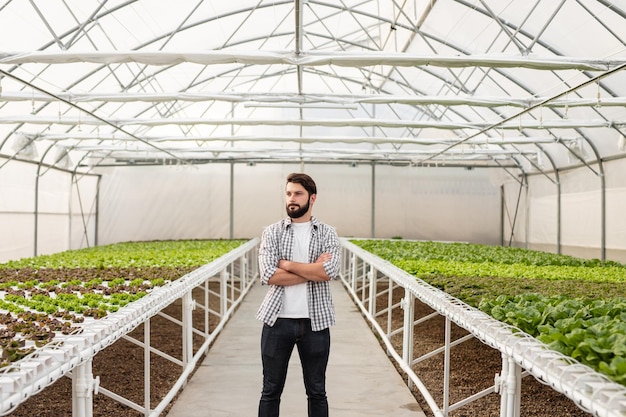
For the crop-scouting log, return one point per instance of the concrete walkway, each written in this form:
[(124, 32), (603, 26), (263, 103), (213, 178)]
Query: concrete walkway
[(361, 380)]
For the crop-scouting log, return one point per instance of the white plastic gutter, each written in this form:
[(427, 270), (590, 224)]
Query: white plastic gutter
[(589, 389), (311, 59)]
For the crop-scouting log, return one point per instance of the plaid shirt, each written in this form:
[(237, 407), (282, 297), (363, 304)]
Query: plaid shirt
[(277, 243)]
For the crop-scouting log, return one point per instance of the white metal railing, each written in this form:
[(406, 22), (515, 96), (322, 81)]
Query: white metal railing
[(368, 278), (73, 355)]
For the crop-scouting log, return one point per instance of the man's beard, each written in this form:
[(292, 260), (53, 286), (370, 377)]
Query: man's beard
[(299, 212)]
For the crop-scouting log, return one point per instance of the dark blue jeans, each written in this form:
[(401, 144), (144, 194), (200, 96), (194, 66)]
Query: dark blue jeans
[(277, 343)]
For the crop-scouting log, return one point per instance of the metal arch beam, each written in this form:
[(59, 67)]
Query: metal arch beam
[(123, 5), (529, 35), (550, 48), (248, 9), (504, 28), (464, 60), (476, 153), (383, 99), (56, 38), (429, 7), (299, 29), (97, 118), (504, 121), (345, 59), (507, 123), (520, 140), (67, 33), (303, 99)]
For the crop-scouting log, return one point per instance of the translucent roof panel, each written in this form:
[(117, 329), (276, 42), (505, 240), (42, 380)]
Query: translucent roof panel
[(536, 85)]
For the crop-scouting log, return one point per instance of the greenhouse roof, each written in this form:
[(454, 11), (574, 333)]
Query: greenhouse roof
[(527, 86)]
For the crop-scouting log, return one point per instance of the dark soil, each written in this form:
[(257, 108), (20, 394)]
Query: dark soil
[(473, 369), (120, 368)]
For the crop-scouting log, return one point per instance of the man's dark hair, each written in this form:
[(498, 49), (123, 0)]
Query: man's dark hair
[(304, 180)]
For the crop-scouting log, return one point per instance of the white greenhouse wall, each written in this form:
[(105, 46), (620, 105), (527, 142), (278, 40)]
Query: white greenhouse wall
[(54, 214), (581, 213), (438, 204), (194, 202), (175, 202)]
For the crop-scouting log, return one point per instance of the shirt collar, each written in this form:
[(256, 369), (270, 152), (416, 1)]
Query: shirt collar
[(287, 222)]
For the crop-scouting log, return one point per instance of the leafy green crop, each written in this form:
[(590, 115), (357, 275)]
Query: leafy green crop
[(429, 259), (590, 331), (575, 306), (46, 294), (133, 254)]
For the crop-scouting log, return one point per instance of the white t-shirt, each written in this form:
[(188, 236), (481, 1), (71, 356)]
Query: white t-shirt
[(295, 299)]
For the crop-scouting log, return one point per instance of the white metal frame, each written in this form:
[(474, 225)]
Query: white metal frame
[(521, 354), (72, 356)]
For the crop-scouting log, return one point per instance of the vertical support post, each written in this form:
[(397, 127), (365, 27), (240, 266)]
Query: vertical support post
[(602, 215), (518, 389), (97, 220), (527, 205), (408, 304), (188, 306), (36, 214), (364, 280), (501, 383), (373, 291), (223, 293), (446, 365), (243, 272), (146, 367), (353, 261), (70, 213), (389, 304), (83, 387), (342, 262), (207, 294), (558, 213), (231, 208), (231, 278), (502, 214), (373, 233), (509, 385), (513, 389), (255, 263)]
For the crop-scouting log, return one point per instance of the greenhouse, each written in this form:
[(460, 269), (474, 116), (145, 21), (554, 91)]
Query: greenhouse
[(481, 123)]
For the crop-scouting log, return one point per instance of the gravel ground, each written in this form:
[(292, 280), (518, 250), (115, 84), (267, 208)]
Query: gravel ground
[(120, 368)]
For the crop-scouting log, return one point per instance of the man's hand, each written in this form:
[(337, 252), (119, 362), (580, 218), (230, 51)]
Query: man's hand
[(323, 257)]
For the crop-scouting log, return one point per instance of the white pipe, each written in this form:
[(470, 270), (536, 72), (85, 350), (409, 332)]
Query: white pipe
[(310, 59), (500, 385), (223, 293), (392, 352), (446, 366), (345, 99), (146, 367), (372, 293), (408, 304), (83, 386), (510, 390), (590, 390), (187, 328), (74, 350)]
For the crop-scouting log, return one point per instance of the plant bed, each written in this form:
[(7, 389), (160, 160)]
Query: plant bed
[(76, 287), (576, 306)]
